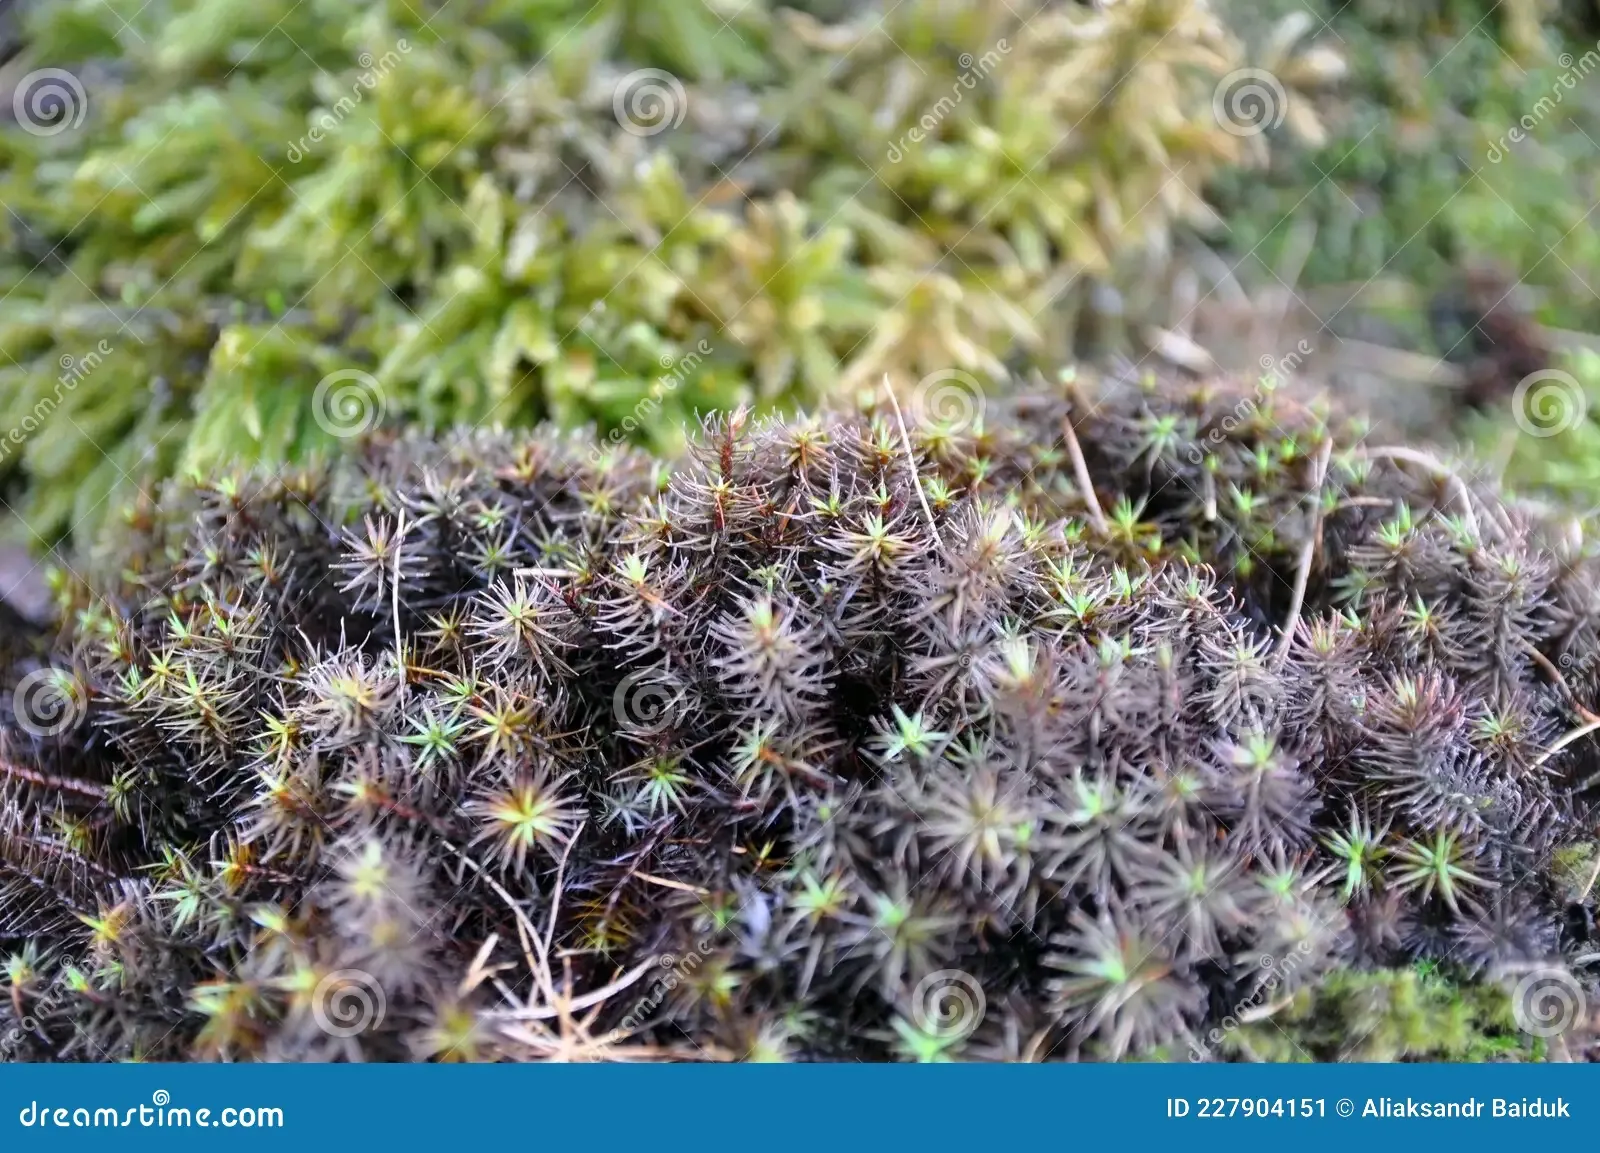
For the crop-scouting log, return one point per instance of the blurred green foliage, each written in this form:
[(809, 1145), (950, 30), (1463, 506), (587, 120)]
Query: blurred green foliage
[(1419, 173), (1464, 136), (498, 214), (1554, 452), (550, 208), (1416, 1014)]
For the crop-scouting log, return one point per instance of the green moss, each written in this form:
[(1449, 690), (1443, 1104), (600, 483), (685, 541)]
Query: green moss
[(1415, 1014), (1573, 869), (1420, 173), (630, 213), (1546, 440), (535, 208)]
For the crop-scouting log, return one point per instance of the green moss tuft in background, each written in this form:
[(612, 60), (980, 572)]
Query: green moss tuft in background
[(535, 209)]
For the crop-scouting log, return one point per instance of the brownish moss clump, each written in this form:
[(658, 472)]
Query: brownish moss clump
[(796, 749)]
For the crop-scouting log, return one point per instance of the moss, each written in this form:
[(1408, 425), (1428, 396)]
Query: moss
[(1419, 174), (1573, 867), (534, 209), (1546, 438), (1412, 1014), (869, 734)]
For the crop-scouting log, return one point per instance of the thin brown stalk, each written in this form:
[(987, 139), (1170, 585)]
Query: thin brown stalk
[(1575, 735), (667, 883), (1554, 674), (394, 600), (596, 997), (1307, 553), (540, 970), (1080, 470), (1439, 469), (555, 895), (911, 459), (45, 781)]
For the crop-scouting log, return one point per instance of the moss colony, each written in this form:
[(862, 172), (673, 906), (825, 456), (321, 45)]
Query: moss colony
[(528, 209), (524, 209), (1133, 720)]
